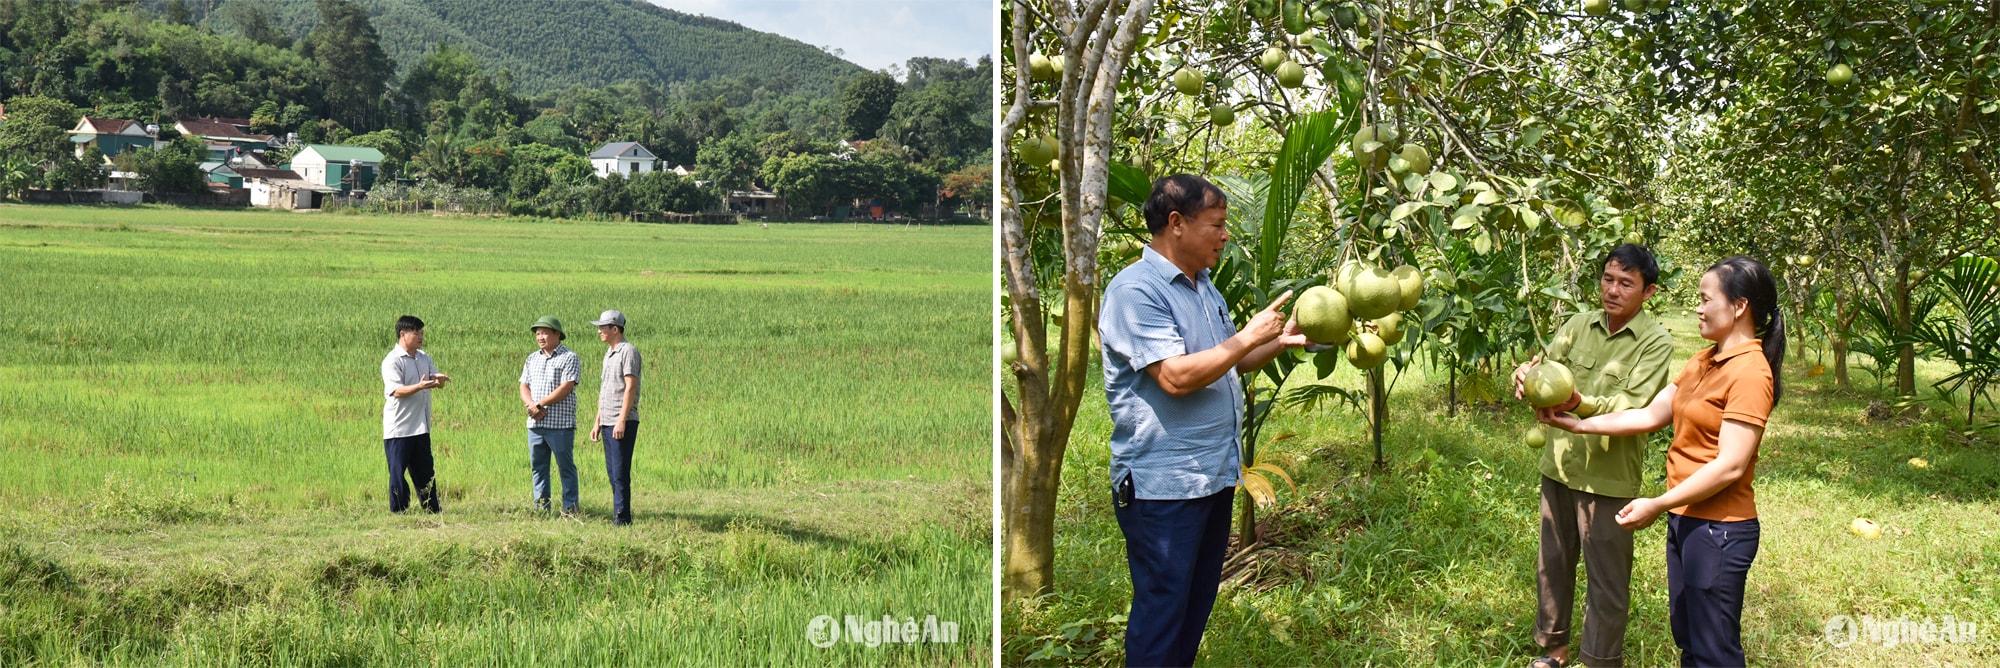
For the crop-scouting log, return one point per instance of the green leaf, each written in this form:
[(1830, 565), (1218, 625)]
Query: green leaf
[(1486, 197), (1483, 243), (1129, 183), (1443, 182), (1405, 209)]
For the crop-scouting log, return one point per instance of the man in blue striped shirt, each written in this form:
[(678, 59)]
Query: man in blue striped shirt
[(1172, 356)]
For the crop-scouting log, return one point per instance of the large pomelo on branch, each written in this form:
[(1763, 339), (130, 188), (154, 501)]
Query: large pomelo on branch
[(1840, 75), (1411, 284), (1272, 58), (1373, 144), (1041, 68), (1323, 315), (1036, 151), (1366, 351), (1548, 384), (1418, 158), (1374, 293), (1188, 81), (1290, 75), (1222, 114), (1390, 328)]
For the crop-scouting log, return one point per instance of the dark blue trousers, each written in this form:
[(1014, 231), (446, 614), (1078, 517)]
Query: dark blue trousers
[(411, 454), (618, 466), (1708, 567), (1175, 550)]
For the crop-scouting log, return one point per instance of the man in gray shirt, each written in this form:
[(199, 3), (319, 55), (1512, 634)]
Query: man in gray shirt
[(408, 376), (548, 392), (617, 411)]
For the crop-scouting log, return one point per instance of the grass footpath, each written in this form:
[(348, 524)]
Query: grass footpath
[(1431, 561), (190, 422)]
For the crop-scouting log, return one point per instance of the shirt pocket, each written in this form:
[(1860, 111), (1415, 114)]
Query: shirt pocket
[(1615, 377), (1582, 365)]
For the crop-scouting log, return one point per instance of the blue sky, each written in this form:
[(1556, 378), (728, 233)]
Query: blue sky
[(871, 33)]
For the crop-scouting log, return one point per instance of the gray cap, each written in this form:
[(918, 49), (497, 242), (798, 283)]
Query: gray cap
[(612, 317)]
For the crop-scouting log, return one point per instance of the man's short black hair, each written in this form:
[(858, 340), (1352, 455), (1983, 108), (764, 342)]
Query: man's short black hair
[(1186, 194), (408, 323), (1634, 257)]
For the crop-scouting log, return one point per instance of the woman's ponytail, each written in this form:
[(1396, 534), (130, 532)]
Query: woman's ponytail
[(1743, 277)]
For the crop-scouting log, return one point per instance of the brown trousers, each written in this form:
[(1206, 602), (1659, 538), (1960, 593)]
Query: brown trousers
[(1580, 523)]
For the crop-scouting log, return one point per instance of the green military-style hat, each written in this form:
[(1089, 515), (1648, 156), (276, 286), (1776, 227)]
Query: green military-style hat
[(550, 322)]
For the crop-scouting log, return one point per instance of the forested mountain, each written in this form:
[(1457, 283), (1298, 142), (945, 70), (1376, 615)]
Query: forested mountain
[(552, 44)]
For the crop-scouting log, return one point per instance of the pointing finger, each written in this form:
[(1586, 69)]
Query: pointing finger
[(1280, 302)]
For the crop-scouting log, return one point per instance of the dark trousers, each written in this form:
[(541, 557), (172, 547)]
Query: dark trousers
[(1175, 550), (618, 466), (1577, 524), (1708, 566), (412, 454)]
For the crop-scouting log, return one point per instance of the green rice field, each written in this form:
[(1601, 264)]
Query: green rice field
[(190, 422)]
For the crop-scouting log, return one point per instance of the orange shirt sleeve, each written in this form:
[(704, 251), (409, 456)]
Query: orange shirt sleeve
[(1749, 398)]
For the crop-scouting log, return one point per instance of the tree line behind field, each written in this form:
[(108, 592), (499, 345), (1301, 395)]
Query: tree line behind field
[(456, 115)]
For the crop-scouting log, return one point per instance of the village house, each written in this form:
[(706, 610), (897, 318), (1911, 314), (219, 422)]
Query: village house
[(343, 168), (112, 136), (628, 158), (214, 132), (283, 189)]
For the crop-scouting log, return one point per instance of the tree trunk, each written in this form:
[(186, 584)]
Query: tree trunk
[(1096, 41), (1451, 390), (1378, 410), (1906, 354), (1844, 313)]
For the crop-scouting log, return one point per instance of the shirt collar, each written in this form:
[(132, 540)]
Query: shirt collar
[(397, 350), (1747, 346), (1166, 267), (558, 352), (1637, 322)]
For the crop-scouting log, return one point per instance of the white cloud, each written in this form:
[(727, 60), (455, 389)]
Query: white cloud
[(871, 33)]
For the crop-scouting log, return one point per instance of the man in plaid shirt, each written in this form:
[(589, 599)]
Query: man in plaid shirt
[(548, 386)]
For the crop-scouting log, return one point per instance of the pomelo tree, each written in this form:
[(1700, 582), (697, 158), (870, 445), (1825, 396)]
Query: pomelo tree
[(1502, 150), (1845, 143)]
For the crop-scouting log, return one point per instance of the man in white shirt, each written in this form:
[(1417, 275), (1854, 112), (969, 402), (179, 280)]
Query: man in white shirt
[(408, 376)]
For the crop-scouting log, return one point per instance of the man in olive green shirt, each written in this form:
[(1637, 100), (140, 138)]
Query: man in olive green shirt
[(1620, 357)]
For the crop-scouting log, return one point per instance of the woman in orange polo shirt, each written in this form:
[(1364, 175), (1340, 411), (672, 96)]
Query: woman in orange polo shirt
[(1718, 407)]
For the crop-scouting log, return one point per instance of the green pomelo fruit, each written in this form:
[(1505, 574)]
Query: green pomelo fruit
[(1548, 384), (1323, 315), (1410, 283), (1418, 157), (1187, 81), (1390, 327), (1375, 294), (1290, 75), (1272, 58), (1041, 68), (1366, 351), (1222, 114)]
